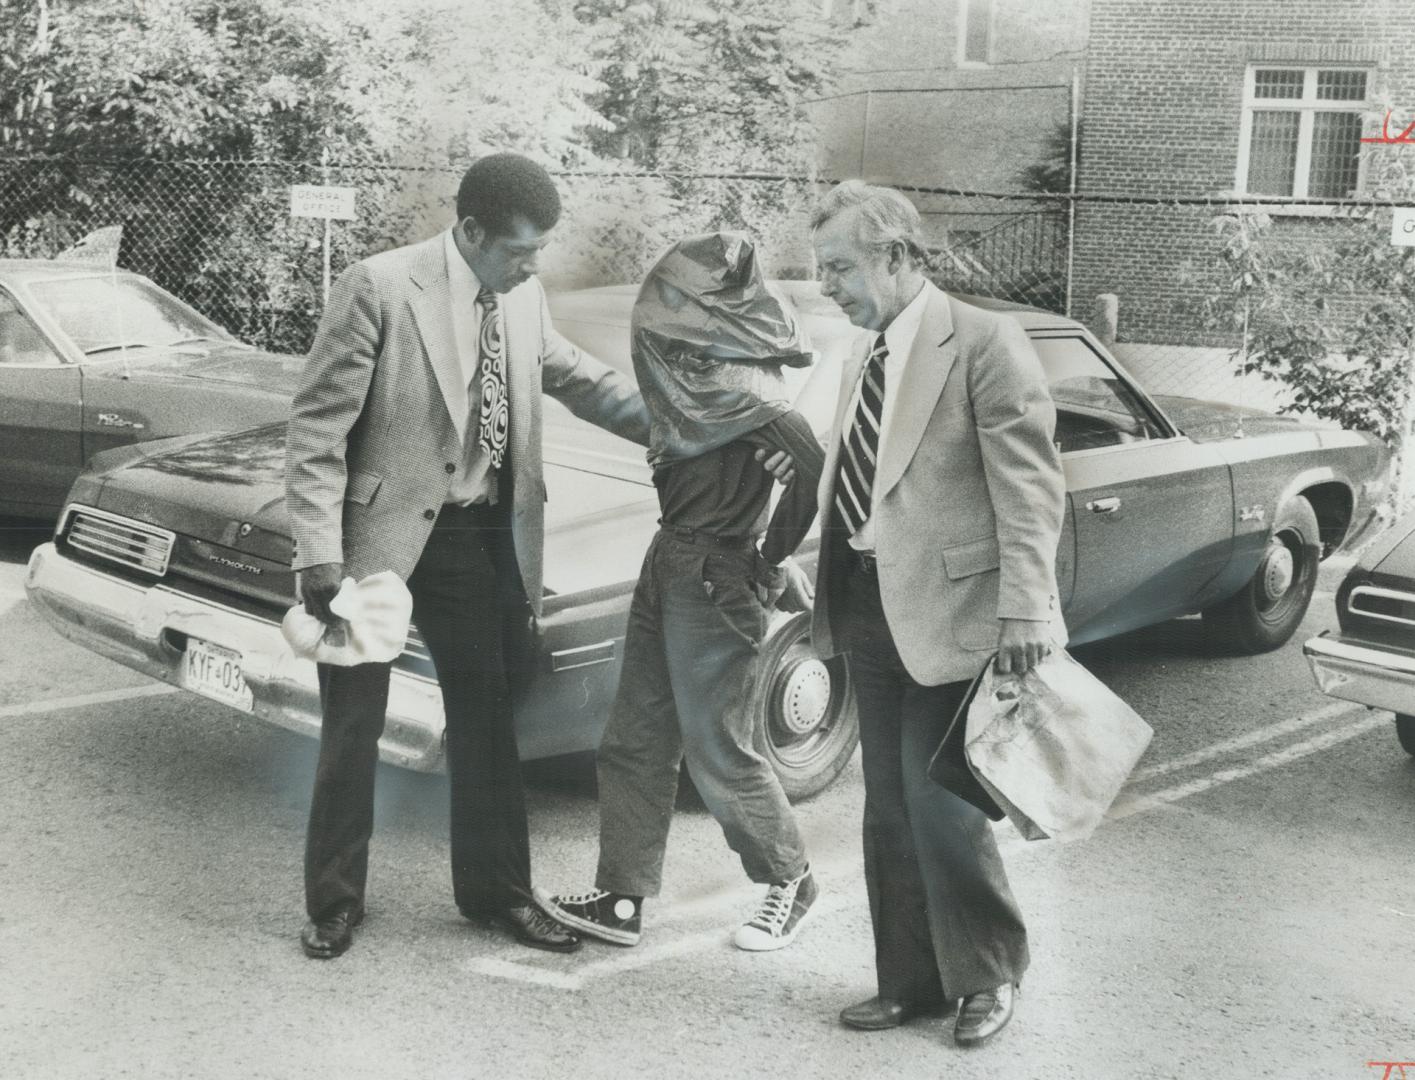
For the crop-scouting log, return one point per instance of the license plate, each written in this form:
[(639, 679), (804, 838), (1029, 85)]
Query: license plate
[(215, 672)]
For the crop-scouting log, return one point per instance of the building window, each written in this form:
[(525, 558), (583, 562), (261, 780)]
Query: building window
[(974, 33), (1301, 132)]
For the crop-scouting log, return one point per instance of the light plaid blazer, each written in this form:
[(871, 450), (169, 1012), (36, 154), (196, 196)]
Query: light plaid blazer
[(372, 447), (968, 496)]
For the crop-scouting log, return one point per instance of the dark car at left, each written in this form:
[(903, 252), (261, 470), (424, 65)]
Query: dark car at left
[(93, 358)]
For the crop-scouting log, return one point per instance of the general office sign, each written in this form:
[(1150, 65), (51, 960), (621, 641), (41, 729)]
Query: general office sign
[(318, 201)]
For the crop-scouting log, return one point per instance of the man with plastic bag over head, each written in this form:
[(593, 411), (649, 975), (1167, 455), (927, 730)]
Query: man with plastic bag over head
[(709, 344)]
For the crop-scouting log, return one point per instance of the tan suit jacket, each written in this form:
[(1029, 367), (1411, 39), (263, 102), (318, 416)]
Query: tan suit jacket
[(968, 495), (372, 447)]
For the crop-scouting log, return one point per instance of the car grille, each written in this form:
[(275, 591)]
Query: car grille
[(124, 541), (1388, 605)]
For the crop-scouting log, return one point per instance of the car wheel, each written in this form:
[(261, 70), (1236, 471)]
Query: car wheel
[(805, 714), (1405, 732), (1267, 610)]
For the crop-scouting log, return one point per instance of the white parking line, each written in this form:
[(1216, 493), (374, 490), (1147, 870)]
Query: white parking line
[(78, 701), (1128, 805), (508, 969), (1247, 739)]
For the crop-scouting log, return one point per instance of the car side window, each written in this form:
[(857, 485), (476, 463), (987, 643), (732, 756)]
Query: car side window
[(1094, 406), (20, 340)]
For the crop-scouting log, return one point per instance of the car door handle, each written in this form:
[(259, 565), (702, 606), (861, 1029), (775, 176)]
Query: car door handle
[(1107, 505)]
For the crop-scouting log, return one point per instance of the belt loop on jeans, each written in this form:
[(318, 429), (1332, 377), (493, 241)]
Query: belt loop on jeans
[(699, 538)]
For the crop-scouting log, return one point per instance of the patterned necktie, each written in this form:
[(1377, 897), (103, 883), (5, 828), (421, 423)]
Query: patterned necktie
[(857, 457), (491, 371)]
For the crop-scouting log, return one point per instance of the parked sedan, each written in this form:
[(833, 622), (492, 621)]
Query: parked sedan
[(1371, 660), (174, 558), (91, 359)]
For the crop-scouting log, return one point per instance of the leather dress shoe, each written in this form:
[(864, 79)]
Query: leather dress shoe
[(983, 1015), (331, 936), (879, 1013), (531, 926)]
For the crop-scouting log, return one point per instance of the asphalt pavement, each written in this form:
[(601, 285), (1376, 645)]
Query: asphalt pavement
[(1245, 912)]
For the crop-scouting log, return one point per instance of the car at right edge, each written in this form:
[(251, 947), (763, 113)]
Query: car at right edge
[(1371, 658)]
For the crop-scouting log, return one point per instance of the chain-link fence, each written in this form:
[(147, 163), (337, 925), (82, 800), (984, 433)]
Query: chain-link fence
[(220, 235)]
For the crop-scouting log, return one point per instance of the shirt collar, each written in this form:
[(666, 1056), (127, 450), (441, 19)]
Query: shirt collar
[(899, 335), (459, 274)]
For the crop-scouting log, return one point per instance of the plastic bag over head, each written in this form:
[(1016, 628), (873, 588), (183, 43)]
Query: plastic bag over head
[(709, 340)]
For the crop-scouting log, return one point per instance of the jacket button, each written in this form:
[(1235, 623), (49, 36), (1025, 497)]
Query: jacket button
[(450, 467), (431, 515)]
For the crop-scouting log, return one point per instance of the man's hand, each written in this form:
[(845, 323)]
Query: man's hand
[(798, 595), (1021, 644), (780, 464), (319, 585)]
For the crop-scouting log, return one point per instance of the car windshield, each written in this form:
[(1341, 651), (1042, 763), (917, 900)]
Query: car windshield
[(106, 313)]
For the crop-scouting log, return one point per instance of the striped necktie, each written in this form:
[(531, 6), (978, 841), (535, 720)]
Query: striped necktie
[(495, 418), (857, 457)]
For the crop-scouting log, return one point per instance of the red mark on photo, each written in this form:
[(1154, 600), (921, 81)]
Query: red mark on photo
[(1394, 1070), (1406, 137)]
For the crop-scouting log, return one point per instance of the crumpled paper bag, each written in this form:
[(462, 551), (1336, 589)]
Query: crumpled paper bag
[(376, 613)]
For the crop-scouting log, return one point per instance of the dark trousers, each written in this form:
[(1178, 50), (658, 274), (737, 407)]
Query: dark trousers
[(472, 615), (690, 662), (945, 922)]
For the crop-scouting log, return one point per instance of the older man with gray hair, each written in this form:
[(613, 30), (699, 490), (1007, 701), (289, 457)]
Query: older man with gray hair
[(943, 497)]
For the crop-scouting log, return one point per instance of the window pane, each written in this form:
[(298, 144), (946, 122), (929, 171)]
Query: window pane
[(977, 30), (1341, 85), (1336, 144), (1094, 407), (1272, 152), (20, 340), (102, 313), (1278, 84)]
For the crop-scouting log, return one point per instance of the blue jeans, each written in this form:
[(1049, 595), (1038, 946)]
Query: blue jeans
[(690, 661)]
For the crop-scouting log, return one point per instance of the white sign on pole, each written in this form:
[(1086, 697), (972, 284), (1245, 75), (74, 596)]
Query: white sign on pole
[(1402, 229), (320, 201)]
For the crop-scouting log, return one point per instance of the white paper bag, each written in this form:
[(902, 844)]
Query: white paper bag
[(1053, 747)]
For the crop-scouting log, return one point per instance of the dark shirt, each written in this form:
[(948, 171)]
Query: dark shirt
[(725, 491)]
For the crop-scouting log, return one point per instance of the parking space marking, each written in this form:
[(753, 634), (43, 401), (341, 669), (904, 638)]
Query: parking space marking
[(79, 701), (1247, 739), (509, 969), (1128, 805)]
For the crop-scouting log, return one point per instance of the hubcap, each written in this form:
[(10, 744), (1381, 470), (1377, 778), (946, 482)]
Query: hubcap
[(805, 697), (1278, 571)]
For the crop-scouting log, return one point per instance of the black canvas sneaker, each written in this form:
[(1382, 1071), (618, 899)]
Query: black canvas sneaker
[(610, 917), (779, 919)]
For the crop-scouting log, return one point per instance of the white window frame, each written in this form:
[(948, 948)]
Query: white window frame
[(962, 57), (1307, 106)]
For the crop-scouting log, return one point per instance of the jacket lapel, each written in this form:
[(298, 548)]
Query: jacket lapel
[(521, 343), (930, 361), (432, 310)]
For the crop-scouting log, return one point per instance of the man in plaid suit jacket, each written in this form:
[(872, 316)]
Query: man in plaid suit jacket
[(415, 446)]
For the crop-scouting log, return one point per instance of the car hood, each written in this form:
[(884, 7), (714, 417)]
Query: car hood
[(229, 490), (1211, 421), (1392, 555), (276, 373)]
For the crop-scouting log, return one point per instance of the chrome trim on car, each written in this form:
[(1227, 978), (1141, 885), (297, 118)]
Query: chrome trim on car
[(122, 540), (584, 656), (1379, 678), (1386, 594), (143, 627)]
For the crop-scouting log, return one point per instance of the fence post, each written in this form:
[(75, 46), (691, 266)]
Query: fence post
[(1105, 318)]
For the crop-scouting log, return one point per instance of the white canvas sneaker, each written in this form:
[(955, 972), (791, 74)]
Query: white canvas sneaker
[(779, 919)]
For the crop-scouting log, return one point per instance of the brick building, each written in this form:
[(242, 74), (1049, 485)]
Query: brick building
[(1214, 99)]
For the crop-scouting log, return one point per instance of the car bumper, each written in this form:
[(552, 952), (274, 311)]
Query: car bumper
[(147, 627), (1379, 677)]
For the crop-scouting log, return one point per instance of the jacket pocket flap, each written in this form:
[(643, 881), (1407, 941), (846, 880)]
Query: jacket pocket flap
[(973, 557), (362, 487)]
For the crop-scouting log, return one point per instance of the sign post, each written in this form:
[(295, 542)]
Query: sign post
[(323, 201)]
